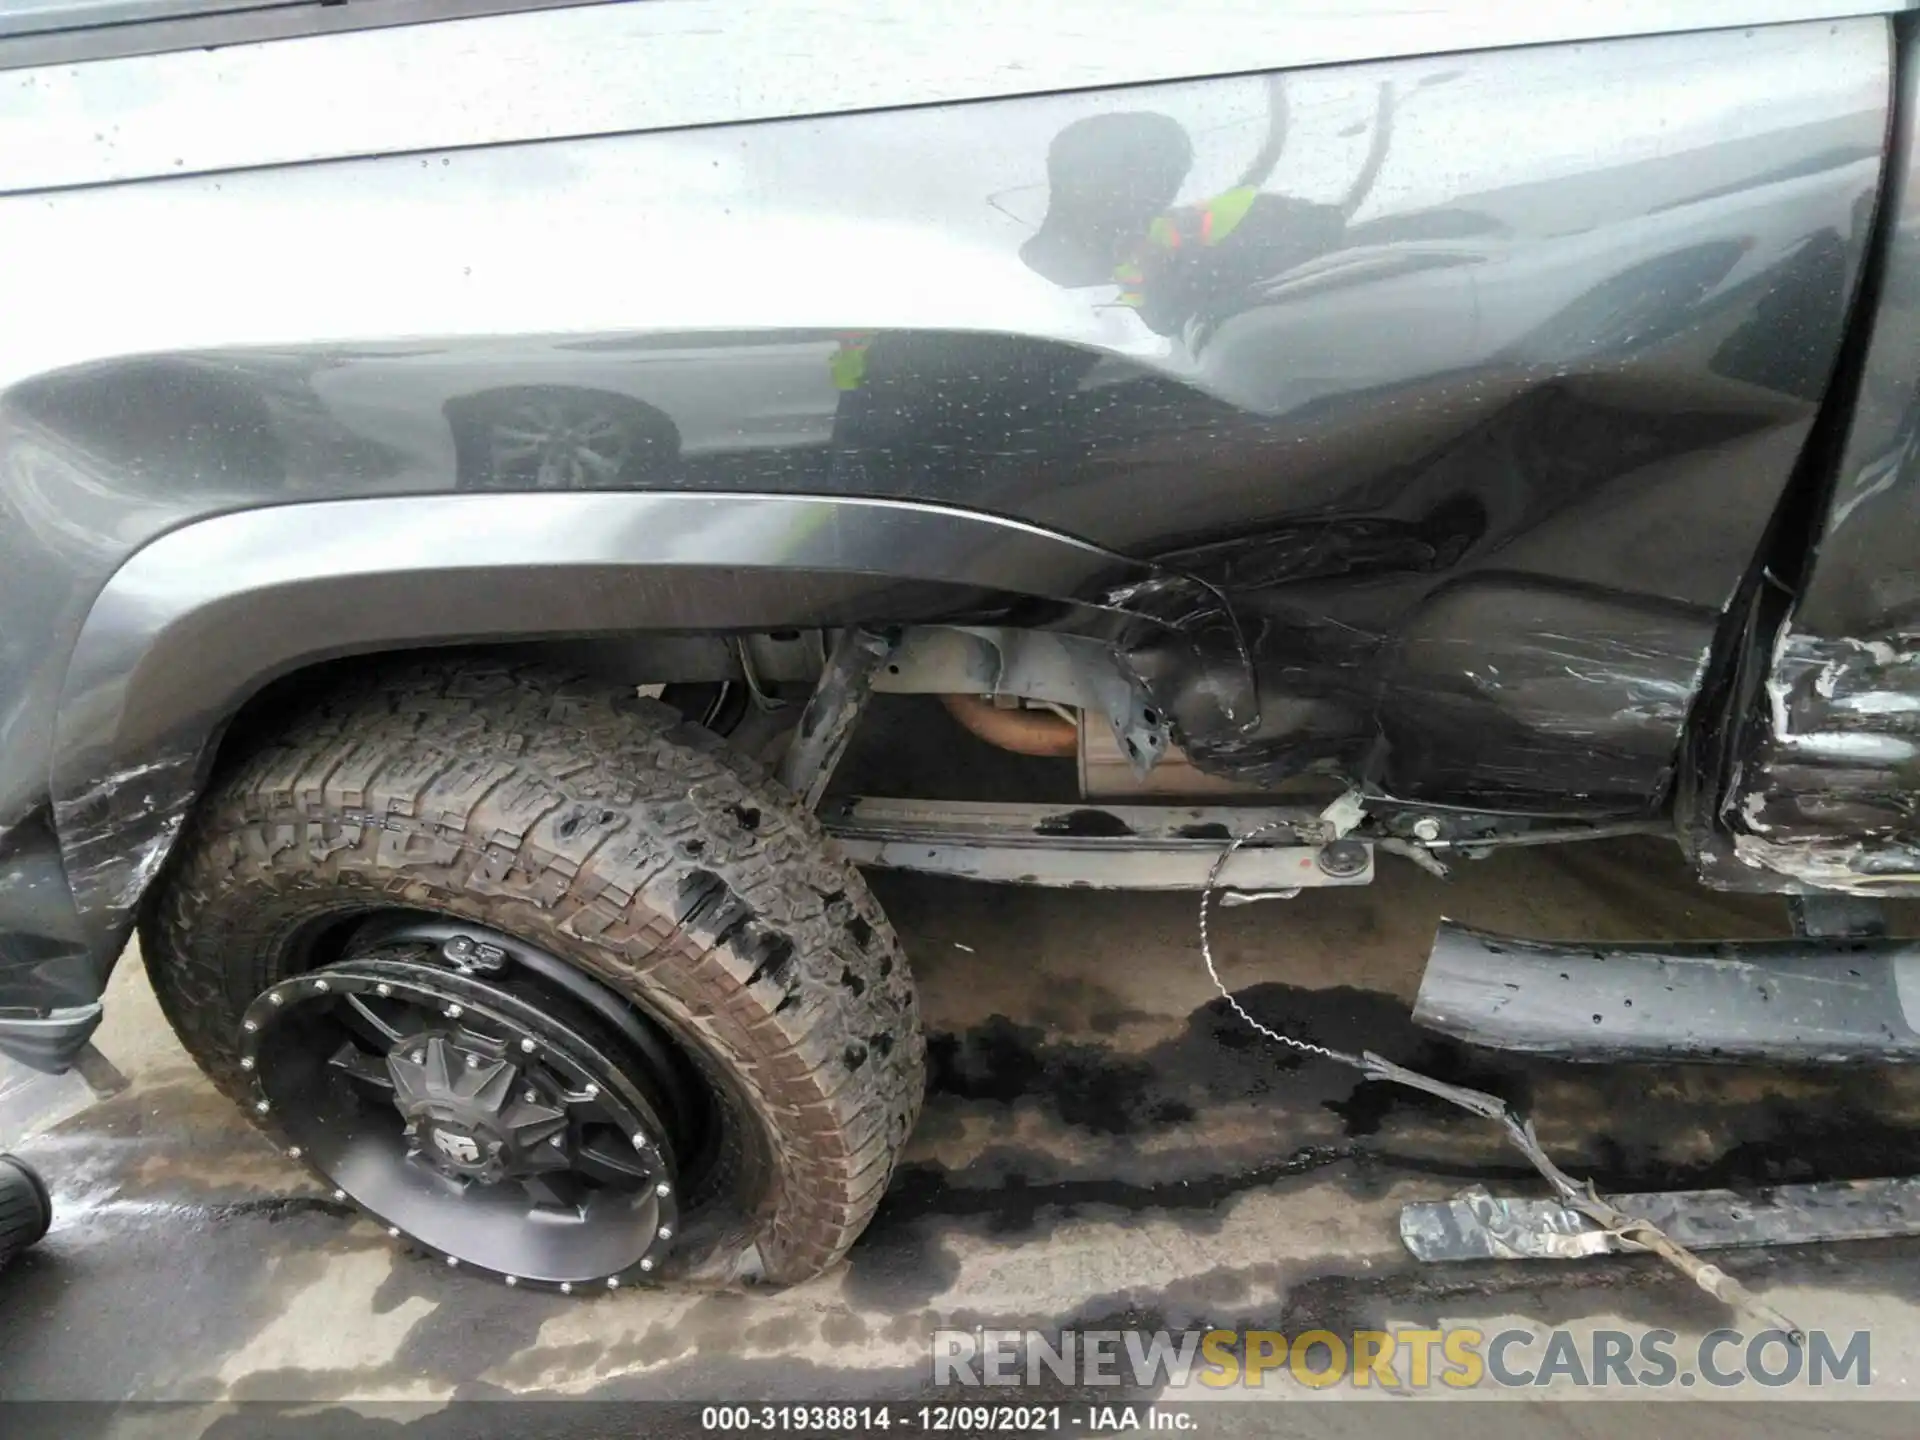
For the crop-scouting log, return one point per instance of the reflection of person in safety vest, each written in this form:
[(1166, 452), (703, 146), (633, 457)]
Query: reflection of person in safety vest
[(1111, 218), (848, 364), (934, 411)]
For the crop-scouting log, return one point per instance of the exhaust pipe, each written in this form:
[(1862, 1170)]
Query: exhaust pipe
[(1024, 732)]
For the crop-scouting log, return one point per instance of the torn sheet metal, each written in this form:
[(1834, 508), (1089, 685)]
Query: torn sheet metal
[(1826, 793), (1478, 1225), (115, 836), (1818, 1001), (1823, 789)]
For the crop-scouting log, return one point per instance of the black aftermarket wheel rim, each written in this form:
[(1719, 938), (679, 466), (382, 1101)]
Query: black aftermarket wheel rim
[(449, 1088)]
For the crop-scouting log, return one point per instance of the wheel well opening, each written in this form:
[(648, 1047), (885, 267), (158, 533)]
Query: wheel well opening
[(663, 660)]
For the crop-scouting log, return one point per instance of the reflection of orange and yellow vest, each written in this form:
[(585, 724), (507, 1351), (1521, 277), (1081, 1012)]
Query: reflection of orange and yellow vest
[(1207, 225), (848, 364)]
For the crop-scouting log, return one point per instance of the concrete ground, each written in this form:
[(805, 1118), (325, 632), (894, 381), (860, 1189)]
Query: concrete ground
[(1103, 1146)]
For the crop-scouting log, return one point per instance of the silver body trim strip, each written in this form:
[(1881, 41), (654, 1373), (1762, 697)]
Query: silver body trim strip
[(668, 64)]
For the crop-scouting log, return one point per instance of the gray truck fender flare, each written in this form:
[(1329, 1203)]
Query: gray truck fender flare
[(198, 620)]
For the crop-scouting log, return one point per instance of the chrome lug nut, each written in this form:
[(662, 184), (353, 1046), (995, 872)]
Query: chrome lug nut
[(473, 1062), (393, 1231), (246, 1062), (339, 1195), (293, 1152), (454, 1012), (566, 1287), (529, 1046), (613, 1282), (454, 1261), (666, 1232), (262, 1106), (592, 1091), (321, 985), (512, 1280), (663, 1189), (531, 1097), (646, 1262), (383, 990), (250, 1025), (1426, 828)]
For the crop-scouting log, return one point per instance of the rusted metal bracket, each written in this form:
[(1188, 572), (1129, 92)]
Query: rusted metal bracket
[(826, 725)]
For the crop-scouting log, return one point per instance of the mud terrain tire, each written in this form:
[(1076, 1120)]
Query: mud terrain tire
[(601, 827)]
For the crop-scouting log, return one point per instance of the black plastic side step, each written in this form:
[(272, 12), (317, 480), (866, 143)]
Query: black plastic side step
[(1811, 1000)]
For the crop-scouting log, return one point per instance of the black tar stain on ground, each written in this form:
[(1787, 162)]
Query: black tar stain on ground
[(1824, 1126), (1215, 1058), (1827, 1128)]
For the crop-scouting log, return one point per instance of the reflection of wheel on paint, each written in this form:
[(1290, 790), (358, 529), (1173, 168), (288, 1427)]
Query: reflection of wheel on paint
[(557, 437), (546, 980), (26, 1210)]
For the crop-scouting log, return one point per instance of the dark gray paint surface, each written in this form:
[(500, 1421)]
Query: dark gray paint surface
[(1827, 793), (1803, 1001), (1418, 370), (222, 101), (1469, 381)]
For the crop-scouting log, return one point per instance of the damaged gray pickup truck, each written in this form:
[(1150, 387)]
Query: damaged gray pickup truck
[(471, 472)]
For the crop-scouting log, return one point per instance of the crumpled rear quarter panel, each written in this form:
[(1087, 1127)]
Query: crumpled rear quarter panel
[(1827, 790)]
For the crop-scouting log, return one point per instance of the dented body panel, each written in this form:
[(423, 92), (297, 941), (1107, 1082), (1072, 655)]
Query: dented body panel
[(1413, 421), (1826, 793)]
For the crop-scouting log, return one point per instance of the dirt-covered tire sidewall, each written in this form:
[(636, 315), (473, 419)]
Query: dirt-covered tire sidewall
[(602, 828)]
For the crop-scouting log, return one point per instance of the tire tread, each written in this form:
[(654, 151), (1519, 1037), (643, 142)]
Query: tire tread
[(574, 812)]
